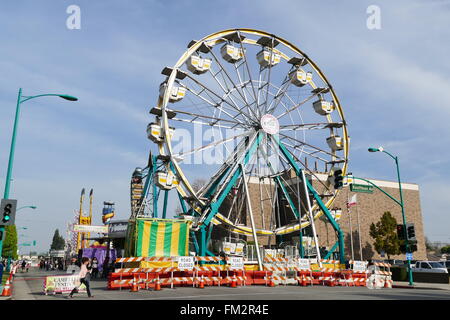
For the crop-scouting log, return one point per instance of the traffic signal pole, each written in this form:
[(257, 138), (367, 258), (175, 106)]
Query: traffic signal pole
[(410, 276), (11, 160)]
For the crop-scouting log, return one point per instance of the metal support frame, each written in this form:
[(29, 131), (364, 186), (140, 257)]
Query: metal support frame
[(252, 221), (316, 196), (214, 206)]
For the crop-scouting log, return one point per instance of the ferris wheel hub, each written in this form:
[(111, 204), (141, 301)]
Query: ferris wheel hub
[(270, 124)]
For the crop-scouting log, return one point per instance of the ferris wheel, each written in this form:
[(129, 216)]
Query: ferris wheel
[(271, 117)]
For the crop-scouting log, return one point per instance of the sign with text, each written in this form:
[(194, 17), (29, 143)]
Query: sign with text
[(87, 228), (186, 263), (57, 253), (409, 256), (303, 264), (117, 229), (359, 266), (236, 263), (361, 188), (62, 284)]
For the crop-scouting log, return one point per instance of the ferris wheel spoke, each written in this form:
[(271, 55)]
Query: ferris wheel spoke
[(210, 145), (228, 92), (219, 106), (296, 106), (244, 99), (309, 145), (220, 98), (237, 157), (248, 70), (311, 154), (309, 126), (203, 116), (279, 95)]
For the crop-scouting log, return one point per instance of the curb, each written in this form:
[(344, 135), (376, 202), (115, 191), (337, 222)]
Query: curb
[(402, 287), (414, 287)]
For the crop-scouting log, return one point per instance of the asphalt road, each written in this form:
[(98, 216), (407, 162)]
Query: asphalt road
[(29, 286)]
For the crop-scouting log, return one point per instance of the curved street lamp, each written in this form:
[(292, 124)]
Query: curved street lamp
[(21, 99), (381, 149), (31, 207)]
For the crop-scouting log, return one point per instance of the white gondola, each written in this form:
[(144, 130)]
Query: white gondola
[(336, 214), (323, 107), (178, 92), (231, 54), (154, 132), (300, 77), (198, 65), (165, 180), (336, 143), (264, 57)]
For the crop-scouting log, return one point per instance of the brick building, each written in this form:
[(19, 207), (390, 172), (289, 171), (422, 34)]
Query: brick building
[(369, 209)]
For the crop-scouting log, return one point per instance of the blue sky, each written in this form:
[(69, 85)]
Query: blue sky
[(393, 83)]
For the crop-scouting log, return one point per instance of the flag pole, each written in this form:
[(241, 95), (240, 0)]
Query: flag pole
[(350, 224), (359, 233)]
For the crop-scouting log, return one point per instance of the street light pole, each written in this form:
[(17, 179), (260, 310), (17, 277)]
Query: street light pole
[(410, 276), (13, 143)]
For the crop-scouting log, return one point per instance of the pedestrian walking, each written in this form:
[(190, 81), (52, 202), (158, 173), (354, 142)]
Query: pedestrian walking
[(84, 278), (94, 268), (24, 264)]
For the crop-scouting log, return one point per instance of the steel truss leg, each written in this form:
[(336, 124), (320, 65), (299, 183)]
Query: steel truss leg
[(322, 206), (214, 206)]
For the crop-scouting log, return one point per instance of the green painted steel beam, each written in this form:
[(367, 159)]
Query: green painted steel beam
[(214, 206), (182, 203), (320, 203), (166, 197), (155, 192), (328, 255), (286, 195)]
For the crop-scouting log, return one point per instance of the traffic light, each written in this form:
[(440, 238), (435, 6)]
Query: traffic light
[(338, 179), (7, 212), (400, 232), (411, 233), (403, 248), (412, 247)]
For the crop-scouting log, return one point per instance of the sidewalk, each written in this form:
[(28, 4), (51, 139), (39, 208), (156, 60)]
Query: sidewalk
[(421, 285)]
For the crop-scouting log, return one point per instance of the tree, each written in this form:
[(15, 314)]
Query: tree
[(10, 243), (58, 242), (385, 235), (445, 249)]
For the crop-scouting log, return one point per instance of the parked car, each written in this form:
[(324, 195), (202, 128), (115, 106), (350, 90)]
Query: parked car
[(446, 264), (429, 266)]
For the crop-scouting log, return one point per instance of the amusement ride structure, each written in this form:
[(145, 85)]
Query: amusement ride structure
[(275, 124)]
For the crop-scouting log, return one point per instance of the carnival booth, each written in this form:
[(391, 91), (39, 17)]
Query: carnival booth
[(149, 237)]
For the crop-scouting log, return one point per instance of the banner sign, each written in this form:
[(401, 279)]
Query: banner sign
[(57, 253), (62, 284), (88, 228), (117, 229), (359, 266), (236, 263), (303, 264), (186, 263)]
